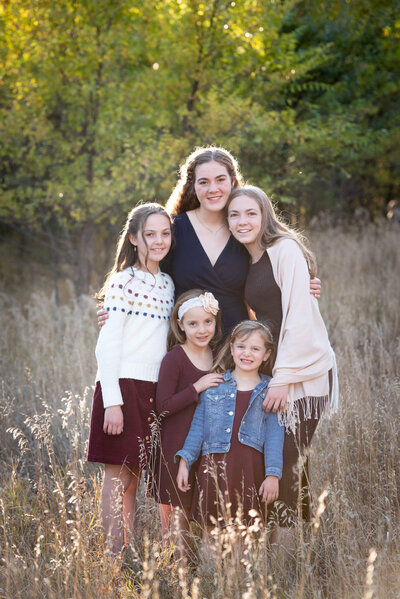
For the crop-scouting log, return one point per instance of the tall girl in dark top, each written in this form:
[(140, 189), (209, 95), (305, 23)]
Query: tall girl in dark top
[(205, 254), (195, 330), (277, 290)]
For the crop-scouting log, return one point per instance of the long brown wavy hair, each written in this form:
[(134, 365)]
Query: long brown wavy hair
[(126, 254), (243, 330), (272, 227), (183, 197)]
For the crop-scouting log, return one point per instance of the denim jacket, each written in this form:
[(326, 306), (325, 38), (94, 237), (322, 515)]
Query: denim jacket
[(210, 431)]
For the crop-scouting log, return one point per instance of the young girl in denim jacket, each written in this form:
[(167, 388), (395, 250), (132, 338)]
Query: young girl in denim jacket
[(240, 444)]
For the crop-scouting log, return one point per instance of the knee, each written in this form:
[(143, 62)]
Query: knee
[(130, 481), (120, 478)]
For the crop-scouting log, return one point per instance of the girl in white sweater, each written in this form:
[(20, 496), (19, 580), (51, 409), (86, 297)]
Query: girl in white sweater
[(139, 299)]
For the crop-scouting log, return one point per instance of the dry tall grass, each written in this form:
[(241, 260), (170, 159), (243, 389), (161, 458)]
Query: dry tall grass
[(51, 542)]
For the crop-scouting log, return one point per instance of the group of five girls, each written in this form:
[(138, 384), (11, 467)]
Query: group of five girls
[(247, 428)]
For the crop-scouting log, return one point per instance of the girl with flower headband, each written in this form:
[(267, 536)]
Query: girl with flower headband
[(195, 330)]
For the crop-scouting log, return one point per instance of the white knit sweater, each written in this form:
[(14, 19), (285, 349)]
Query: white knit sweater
[(132, 343)]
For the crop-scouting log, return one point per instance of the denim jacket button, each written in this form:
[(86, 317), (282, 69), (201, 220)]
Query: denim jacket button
[(230, 413), (232, 395), (227, 430), (243, 421)]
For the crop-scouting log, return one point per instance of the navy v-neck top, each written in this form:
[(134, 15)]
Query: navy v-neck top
[(190, 268)]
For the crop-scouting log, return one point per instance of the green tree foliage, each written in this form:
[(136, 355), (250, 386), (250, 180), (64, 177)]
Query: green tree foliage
[(101, 100), (347, 106)]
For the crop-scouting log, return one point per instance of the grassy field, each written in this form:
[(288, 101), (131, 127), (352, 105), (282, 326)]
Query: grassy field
[(51, 543)]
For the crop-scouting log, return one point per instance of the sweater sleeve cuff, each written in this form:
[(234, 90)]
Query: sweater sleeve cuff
[(111, 395)]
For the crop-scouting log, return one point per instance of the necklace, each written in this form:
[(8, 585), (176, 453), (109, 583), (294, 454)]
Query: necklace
[(214, 232)]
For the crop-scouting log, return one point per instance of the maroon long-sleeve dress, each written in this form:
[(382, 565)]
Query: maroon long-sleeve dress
[(176, 401)]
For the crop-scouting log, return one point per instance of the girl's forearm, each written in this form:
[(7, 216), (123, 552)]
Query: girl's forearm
[(174, 403)]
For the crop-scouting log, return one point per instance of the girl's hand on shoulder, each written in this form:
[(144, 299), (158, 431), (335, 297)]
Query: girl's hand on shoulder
[(208, 380), (275, 399), (269, 489), (183, 476), (113, 420), (315, 287), (102, 316)]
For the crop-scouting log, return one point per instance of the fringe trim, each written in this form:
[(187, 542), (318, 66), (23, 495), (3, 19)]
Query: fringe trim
[(313, 407)]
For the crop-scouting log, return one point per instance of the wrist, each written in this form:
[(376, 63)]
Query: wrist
[(196, 388)]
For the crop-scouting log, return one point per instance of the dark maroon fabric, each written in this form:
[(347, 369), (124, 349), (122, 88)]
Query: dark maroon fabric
[(176, 402), (240, 473), (291, 505), (132, 446)]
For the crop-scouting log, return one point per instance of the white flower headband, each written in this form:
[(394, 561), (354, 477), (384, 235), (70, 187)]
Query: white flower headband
[(206, 301)]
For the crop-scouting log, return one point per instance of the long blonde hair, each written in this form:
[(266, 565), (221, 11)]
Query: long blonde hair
[(272, 227), (126, 253), (183, 197), (243, 330)]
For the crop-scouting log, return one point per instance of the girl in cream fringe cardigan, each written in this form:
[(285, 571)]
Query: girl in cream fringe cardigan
[(304, 377)]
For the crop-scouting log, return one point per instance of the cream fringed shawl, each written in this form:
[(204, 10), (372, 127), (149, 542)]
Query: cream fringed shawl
[(304, 357)]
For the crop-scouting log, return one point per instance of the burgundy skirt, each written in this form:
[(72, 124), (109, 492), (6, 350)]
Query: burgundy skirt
[(228, 483), (132, 446)]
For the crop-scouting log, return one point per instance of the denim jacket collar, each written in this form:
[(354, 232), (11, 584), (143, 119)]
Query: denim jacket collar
[(228, 378)]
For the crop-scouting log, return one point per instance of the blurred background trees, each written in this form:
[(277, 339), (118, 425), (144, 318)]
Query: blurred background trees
[(100, 101)]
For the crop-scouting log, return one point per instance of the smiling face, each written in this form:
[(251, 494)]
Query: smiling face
[(249, 352), (212, 185), (198, 326), (153, 241), (244, 220)]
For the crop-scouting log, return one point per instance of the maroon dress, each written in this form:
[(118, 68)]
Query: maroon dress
[(132, 446), (229, 478), (176, 402)]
